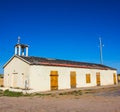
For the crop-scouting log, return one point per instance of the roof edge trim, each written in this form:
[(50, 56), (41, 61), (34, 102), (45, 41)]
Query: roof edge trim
[(12, 58)]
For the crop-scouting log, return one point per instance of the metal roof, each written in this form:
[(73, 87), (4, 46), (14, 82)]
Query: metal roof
[(64, 63)]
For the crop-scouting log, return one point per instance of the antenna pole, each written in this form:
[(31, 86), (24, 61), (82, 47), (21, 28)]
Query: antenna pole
[(101, 45)]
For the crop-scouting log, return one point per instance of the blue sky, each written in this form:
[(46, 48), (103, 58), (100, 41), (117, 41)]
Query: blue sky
[(63, 29)]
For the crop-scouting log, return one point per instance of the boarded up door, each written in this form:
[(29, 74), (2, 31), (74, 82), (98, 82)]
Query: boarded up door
[(88, 79), (73, 79), (114, 78), (54, 80), (98, 79)]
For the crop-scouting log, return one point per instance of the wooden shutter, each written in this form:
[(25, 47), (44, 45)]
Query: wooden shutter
[(98, 78), (88, 80), (114, 78), (54, 80)]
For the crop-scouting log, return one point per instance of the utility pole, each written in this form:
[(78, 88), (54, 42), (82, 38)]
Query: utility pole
[(101, 46)]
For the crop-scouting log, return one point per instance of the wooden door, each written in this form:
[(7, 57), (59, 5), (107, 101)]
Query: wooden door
[(73, 79), (54, 80), (98, 79), (114, 78)]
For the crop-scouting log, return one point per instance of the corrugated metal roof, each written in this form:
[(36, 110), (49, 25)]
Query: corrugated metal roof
[(64, 63)]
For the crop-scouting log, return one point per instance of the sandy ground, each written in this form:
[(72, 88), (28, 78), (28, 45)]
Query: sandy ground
[(105, 100)]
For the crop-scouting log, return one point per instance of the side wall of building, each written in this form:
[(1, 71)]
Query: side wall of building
[(16, 73), (40, 77)]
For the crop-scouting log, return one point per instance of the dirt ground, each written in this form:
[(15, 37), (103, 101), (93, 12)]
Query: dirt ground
[(90, 100)]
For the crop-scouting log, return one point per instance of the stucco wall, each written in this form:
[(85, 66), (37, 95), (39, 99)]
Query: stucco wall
[(17, 70), (40, 77)]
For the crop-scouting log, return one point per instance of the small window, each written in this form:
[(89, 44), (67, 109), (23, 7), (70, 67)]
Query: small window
[(88, 80)]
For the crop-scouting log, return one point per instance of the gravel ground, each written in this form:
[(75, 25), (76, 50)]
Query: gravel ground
[(91, 100)]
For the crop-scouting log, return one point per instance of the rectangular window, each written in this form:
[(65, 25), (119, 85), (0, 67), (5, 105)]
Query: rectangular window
[(88, 80)]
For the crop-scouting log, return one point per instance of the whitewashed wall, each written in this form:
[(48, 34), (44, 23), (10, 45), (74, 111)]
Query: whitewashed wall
[(107, 77), (20, 69), (40, 77)]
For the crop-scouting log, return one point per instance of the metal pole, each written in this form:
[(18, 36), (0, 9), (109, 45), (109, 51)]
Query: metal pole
[(101, 58)]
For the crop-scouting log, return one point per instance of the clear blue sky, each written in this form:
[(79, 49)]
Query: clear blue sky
[(63, 29)]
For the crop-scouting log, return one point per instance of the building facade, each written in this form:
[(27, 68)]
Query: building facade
[(45, 74), (42, 74)]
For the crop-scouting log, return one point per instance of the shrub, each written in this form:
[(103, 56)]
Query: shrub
[(1, 86), (1, 92), (12, 94), (39, 94), (76, 93), (63, 93)]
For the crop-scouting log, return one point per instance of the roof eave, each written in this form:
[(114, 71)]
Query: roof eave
[(72, 66)]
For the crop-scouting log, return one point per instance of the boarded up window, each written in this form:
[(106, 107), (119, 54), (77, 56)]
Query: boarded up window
[(88, 80), (114, 78), (54, 80), (98, 78), (73, 79)]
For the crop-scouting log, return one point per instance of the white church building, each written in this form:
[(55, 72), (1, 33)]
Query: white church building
[(45, 74)]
